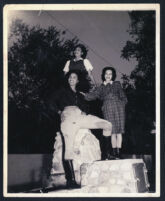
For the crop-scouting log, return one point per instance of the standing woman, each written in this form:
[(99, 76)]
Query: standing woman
[(80, 63), (72, 107), (114, 101)]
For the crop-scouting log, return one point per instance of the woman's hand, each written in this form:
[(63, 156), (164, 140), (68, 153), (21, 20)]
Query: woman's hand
[(62, 116), (59, 112), (93, 87), (82, 93)]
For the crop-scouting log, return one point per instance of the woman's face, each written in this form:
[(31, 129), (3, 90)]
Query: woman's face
[(78, 52), (108, 75), (73, 79)]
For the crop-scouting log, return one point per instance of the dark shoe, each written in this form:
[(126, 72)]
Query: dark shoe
[(43, 190), (110, 157), (107, 156), (114, 153), (119, 153), (104, 156)]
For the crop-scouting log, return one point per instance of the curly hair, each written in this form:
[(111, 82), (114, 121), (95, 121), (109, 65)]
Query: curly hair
[(83, 49), (104, 71), (83, 84)]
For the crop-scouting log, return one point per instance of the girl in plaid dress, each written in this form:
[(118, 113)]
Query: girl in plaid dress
[(114, 101)]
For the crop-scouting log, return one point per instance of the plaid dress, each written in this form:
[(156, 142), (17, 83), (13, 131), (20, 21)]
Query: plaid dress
[(114, 101)]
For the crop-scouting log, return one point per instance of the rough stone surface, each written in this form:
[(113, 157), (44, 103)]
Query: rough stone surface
[(88, 151), (94, 175), (116, 176)]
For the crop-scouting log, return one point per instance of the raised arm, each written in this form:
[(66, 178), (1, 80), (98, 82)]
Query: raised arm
[(66, 68)]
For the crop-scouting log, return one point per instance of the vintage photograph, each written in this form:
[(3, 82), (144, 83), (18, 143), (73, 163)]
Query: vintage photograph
[(81, 100)]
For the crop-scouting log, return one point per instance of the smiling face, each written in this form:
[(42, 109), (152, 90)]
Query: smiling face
[(73, 80), (78, 52), (108, 75)]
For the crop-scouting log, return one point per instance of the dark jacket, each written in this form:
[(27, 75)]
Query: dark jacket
[(66, 97)]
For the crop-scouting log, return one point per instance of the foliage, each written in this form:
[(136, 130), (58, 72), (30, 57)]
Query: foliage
[(36, 58), (140, 85)]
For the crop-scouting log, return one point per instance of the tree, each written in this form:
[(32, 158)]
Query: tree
[(140, 85), (36, 59)]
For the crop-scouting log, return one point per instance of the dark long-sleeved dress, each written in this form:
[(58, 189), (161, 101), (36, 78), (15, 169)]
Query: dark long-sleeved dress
[(114, 100)]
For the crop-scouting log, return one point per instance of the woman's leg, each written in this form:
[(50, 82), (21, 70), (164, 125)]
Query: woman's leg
[(114, 141), (114, 145), (75, 120), (119, 144), (107, 148), (69, 174), (119, 141), (69, 129), (93, 122)]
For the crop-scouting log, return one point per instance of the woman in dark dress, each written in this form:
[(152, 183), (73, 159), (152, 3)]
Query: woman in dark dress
[(114, 101)]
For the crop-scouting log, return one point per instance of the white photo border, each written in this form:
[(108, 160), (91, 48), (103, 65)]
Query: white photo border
[(79, 7)]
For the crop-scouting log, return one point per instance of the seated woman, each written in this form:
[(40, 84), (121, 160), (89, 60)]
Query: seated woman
[(72, 107)]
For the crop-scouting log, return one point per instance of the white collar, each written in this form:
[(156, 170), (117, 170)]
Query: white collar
[(78, 60), (105, 83)]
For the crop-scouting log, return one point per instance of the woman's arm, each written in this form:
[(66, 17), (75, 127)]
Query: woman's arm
[(66, 68), (89, 69), (93, 95), (91, 77)]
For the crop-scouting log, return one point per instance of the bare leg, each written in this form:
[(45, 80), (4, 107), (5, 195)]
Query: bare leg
[(119, 145), (114, 141), (119, 140)]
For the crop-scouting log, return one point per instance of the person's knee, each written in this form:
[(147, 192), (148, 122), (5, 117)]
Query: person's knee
[(104, 125), (119, 136)]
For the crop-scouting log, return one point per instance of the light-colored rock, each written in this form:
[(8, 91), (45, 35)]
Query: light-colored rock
[(88, 151), (116, 175)]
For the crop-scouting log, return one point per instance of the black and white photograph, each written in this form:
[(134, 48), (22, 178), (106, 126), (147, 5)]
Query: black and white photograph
[(81, 100)]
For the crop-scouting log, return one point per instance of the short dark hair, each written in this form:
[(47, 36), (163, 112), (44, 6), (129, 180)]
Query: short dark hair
[(83, 49), (108, 68)]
